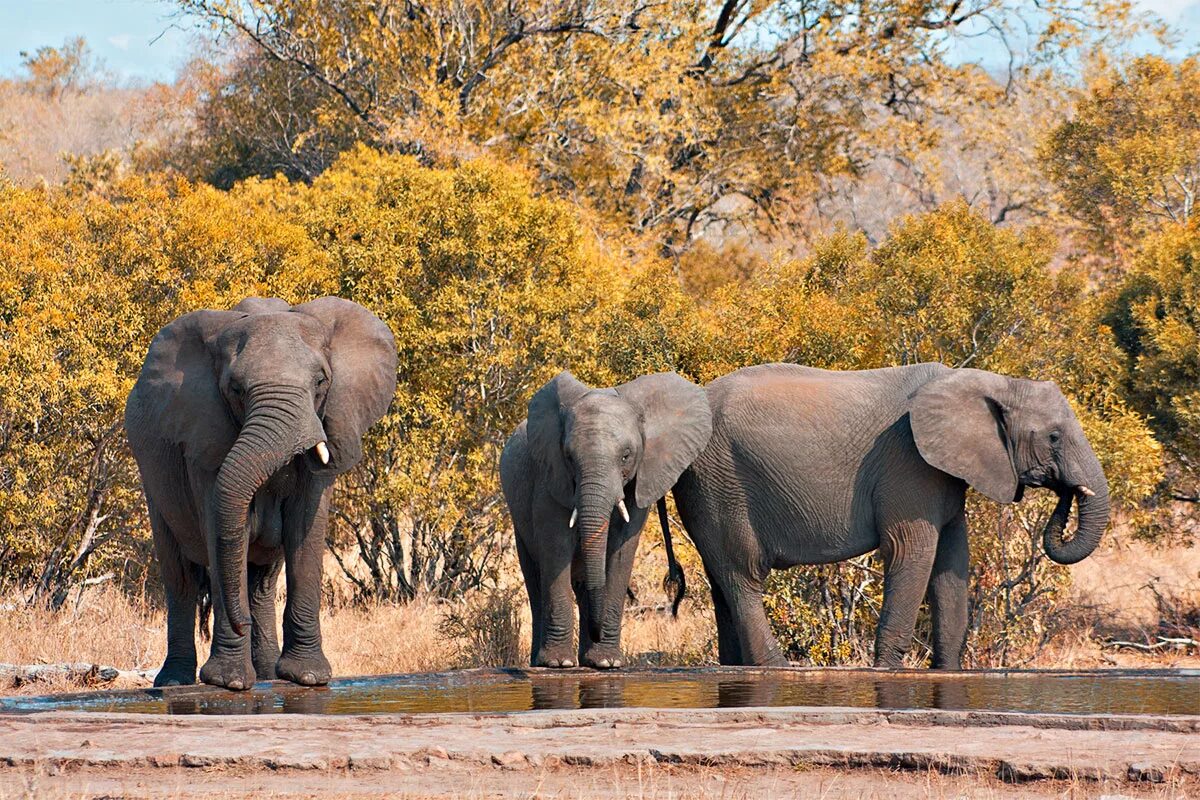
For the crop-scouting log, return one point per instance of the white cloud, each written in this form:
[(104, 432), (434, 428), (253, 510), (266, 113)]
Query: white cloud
[(120, 41)]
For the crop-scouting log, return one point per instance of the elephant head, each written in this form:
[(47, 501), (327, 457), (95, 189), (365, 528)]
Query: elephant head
[(1002, 434), (246, 391), (591, 443)]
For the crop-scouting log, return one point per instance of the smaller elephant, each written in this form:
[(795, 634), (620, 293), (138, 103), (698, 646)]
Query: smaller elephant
[(239, 421), (810, 466), (579, 476)]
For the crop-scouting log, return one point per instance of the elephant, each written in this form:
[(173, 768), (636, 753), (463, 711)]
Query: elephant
[(810, 466), (579, 475), (239, 422)]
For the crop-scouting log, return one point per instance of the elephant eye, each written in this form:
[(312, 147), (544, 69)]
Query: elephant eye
[(235, 388), (624, 457), (321, 381), (1055, 436)]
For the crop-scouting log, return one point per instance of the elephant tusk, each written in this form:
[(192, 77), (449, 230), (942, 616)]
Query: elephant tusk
[(624, 511), (1085, 490), (574, 514), (322, 452)]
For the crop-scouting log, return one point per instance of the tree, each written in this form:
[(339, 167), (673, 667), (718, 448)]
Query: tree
[(54, 71), (254, 116), (1129, 158), (1155, 318), (664, 116)]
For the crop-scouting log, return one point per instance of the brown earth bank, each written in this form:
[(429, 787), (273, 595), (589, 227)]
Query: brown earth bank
[(564, 782), (602, 752)]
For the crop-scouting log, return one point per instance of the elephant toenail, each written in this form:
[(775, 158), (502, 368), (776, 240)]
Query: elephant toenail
[(568, 662), (616, 664), (604, 664), (308, 679), (236, 684)]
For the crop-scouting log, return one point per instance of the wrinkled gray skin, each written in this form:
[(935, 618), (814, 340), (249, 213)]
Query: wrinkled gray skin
[(239, 422), (586, 450), (807, 466)]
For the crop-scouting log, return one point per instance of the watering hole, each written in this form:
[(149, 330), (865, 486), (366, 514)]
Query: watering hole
[(508, 690)]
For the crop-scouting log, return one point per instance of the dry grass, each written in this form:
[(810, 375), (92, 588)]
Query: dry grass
[(105, 626)]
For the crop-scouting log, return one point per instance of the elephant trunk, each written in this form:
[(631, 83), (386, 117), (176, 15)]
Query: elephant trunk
[(1091, 493), (595, 507), (280, 423)]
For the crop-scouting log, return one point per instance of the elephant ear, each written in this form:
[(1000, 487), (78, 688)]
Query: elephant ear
[(958, 422), (545, 433), (362, 359), (177, 397), (677, 423)]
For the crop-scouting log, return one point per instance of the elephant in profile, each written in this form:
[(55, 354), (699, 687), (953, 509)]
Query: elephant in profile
[(579, 476), (809, 466), (239, 422)]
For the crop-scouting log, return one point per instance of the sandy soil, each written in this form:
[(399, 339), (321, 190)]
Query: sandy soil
[(646, 782), (599, 753)]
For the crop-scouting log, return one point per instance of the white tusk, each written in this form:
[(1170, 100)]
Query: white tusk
[(1085, 490), (624, 511), (322, 452), (574, 514)]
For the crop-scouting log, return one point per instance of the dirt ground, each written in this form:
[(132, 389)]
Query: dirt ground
[(646, 782), (726, 753)]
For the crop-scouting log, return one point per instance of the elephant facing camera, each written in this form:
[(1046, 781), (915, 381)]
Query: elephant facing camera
[(240, 422), (580, 476)]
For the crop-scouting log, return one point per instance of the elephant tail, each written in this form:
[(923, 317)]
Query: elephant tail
[(204, 603), (674, 583)]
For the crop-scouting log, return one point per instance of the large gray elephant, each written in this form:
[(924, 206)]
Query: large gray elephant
[(579, 476), (239, 422), (809, 466)]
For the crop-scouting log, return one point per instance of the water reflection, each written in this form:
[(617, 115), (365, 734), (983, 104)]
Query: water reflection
[(1145, 692)]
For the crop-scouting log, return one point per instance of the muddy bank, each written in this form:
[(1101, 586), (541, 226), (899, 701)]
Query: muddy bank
[(1013, 747)]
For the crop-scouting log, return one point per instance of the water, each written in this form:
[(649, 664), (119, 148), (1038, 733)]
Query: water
[(1169, 692)]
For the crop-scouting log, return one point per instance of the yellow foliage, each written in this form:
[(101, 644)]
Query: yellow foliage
[(1155, 316), (1130, 157), (490, 289)]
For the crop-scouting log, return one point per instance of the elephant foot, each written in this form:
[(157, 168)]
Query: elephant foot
[(230, 672), (556, 657), (602, 657), (310, 670), (890, 662), (264, 666), (176, 673)]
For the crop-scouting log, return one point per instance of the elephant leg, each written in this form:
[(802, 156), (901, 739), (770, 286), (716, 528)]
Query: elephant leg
[(728, 650), (529, 572), (305, 515), (757, 645), (908, 550), (182, 580), (948, 595), (557, 641), (264, 639), (606, 654), (229, 664)]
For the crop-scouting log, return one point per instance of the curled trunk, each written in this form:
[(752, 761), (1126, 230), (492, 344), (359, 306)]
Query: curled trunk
[(279, 425), (1093, 519)]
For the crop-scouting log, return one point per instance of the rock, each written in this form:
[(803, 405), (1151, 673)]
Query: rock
[(1143, 771), (370, 761), (513, 759)]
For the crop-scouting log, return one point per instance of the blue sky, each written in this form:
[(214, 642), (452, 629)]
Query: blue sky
[(136, 39), (140, 40)]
